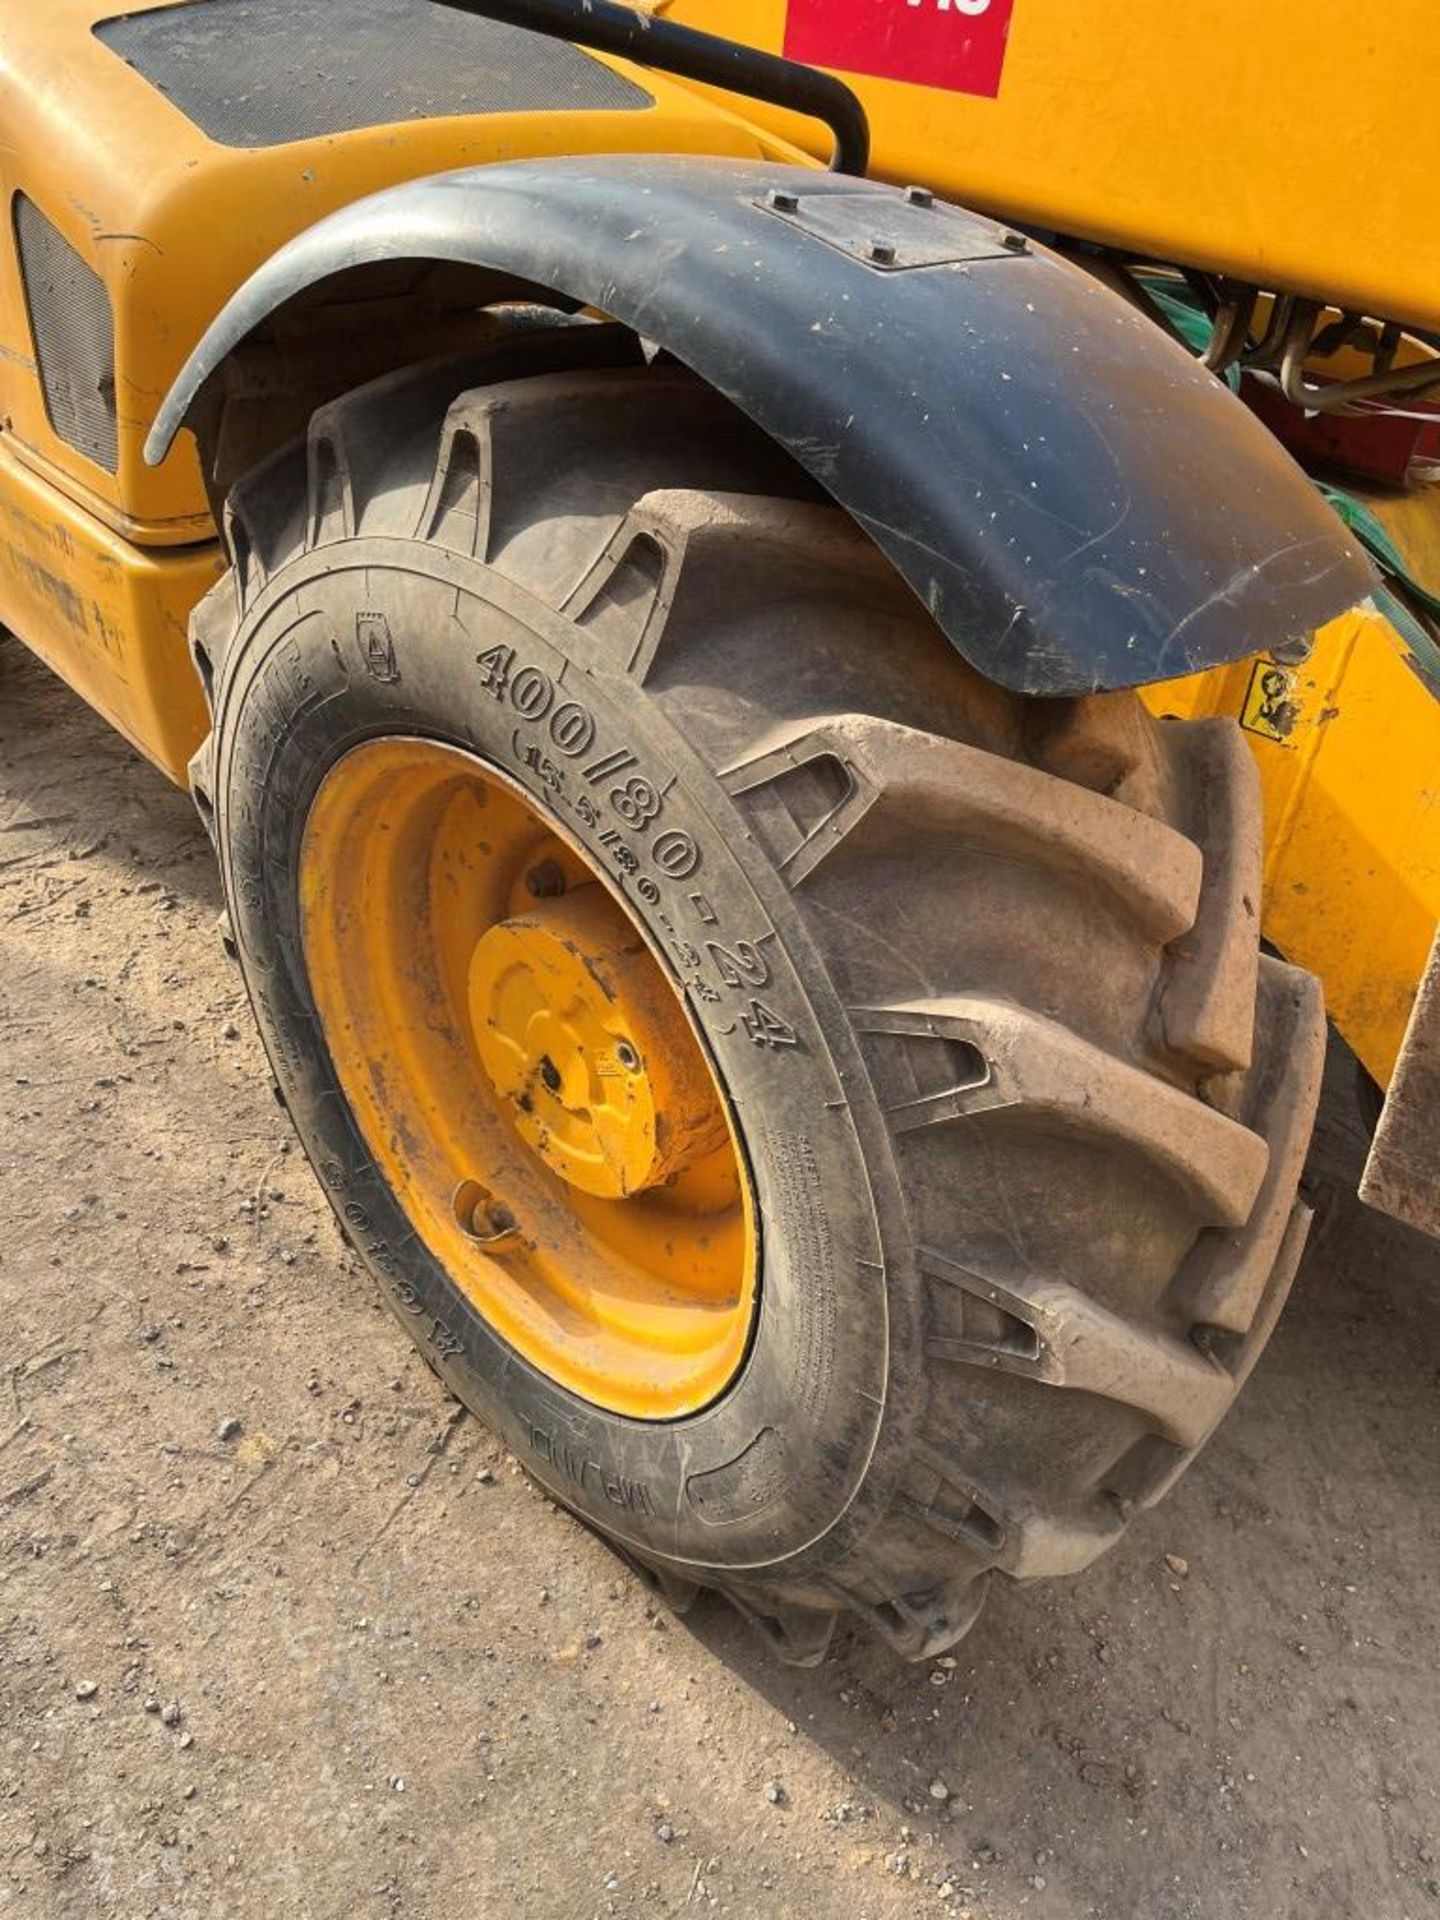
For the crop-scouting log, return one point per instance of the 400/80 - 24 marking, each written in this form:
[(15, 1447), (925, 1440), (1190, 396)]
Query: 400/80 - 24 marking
[(611, 780)]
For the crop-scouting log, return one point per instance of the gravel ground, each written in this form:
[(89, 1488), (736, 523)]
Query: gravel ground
[(283, 1631)]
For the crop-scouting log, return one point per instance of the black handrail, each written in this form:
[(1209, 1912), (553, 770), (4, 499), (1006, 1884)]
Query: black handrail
[(692, 55)]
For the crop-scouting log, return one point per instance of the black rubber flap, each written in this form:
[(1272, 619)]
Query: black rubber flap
[(1076, 501)]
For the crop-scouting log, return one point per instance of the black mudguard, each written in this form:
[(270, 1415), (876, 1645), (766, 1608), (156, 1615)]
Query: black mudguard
[(1077, 502)]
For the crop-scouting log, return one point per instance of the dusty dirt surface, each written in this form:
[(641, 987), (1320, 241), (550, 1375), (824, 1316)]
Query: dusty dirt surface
[(284, 1632)]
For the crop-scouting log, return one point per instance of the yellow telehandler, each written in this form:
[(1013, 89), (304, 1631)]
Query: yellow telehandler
[(806, 631)]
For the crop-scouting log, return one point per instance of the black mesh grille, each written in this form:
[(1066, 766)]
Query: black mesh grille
[(258, 73), (74, 335)]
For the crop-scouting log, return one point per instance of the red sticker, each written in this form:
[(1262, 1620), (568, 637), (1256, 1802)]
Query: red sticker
[(957, 44)]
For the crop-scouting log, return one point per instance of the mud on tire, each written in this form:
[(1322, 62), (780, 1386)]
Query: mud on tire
[(1023, 1106)]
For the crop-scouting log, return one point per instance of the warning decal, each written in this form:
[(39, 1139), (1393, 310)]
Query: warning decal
[(1271, 707), (956, 44)]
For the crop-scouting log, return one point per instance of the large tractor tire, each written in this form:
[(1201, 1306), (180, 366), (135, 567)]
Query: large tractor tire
[(828, 1113)]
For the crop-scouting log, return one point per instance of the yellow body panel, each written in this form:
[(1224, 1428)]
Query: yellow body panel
[(108, 616), (1284, 145), (1349, 752)]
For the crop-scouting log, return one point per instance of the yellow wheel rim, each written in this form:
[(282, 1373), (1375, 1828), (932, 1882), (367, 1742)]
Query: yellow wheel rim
[(527, 1078)]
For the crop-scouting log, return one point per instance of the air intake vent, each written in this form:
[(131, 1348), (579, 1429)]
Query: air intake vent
[(259, 73), (74, 335)]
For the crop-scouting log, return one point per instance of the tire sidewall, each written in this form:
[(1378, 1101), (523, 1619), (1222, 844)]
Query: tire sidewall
[(783, 1473)]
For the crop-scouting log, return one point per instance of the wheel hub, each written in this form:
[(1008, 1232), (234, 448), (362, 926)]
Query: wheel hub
[(527, 1079), (577, 1030)]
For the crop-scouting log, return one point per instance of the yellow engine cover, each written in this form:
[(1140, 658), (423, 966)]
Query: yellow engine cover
[(1280, 144)]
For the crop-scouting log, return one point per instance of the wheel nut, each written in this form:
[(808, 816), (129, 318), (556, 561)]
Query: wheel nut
[(549, 1075), (545, 881), (627, 1056)]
